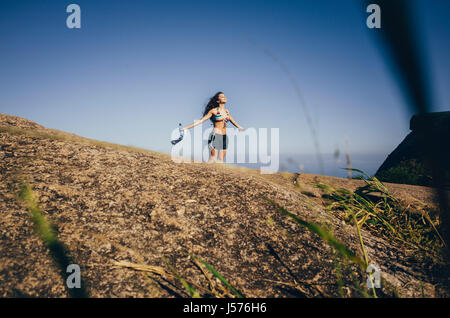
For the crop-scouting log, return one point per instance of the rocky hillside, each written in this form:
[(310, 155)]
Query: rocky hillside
[(130, 218), (408, 163)]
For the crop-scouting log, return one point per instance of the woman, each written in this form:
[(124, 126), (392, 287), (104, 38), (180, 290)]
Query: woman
[(219, 115)]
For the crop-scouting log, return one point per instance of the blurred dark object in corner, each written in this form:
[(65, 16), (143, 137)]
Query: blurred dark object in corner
[(405, 54), (408, 163)]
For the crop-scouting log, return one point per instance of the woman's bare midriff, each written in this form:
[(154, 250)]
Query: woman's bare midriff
[(219, 128)]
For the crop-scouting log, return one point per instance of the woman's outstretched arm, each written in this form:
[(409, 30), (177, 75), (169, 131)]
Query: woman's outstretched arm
[(206, 117), (235, 123)]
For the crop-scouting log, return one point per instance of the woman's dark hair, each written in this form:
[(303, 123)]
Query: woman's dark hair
[(213, 103)]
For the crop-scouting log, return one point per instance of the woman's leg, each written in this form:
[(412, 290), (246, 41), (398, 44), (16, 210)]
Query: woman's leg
[(223, 148), (212, 156), (221, 156)]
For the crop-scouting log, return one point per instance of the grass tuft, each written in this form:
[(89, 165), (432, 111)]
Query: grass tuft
[(373, 208)]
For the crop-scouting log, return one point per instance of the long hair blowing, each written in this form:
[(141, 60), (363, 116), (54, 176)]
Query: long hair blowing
[(213, 103)]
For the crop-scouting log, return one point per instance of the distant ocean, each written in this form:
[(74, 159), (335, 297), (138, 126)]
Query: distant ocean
[(308, 163)]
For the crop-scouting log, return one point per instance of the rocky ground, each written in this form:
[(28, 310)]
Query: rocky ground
[(124, 214)]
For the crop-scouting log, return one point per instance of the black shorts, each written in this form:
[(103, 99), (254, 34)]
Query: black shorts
[(217, 141)]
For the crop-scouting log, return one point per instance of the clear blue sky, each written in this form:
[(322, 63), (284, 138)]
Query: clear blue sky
[(137, 68)]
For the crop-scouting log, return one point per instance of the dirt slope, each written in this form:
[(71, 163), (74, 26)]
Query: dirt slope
[(112, 203)]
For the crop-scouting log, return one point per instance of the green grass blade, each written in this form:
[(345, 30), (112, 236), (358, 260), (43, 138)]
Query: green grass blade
[(220, 277), (325, 235), (357, 170), (48, 235), (188, 287)]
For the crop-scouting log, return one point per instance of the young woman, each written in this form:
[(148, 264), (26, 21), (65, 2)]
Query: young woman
[(219, 115)]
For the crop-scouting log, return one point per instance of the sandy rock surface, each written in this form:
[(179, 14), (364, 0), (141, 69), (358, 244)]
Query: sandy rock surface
[(113, 204)]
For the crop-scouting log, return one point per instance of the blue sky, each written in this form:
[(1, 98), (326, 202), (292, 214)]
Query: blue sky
[(137, 68)]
